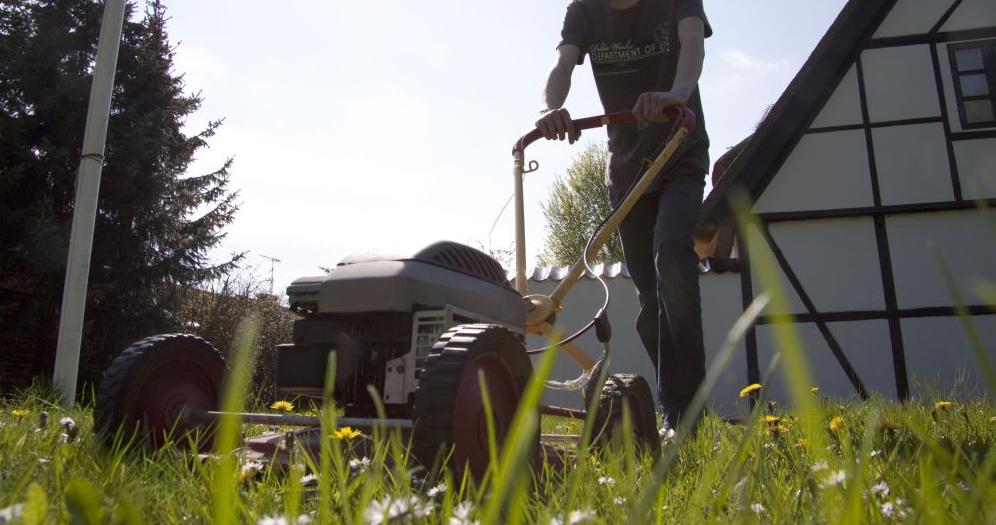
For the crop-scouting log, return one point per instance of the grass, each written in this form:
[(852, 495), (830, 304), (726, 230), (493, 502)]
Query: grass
[(913, 461), (825, 461)]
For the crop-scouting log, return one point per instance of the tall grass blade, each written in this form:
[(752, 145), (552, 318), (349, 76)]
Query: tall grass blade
[(229, 429)]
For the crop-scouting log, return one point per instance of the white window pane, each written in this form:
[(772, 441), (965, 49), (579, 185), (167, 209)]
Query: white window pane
[(974, 85), (969, 59), (978, 111)]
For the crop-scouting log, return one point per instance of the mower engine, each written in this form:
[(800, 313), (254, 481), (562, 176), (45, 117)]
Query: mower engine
[(382, 314)]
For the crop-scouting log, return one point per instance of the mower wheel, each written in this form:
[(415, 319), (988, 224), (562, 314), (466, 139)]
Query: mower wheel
[(150, 384), (626, 390), (449, 404)]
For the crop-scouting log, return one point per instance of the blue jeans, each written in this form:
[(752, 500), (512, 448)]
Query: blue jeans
[(659, 250)]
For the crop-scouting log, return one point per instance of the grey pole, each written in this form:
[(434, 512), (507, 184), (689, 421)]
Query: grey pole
[(67, 355)]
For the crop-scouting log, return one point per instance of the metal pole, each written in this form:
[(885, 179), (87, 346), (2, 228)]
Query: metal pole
[(67, 354), (520, 224)]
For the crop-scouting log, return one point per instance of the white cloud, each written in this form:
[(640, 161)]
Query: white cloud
[(740, 60)]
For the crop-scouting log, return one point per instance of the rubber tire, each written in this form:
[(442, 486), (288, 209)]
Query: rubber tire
[(633, 390), (158, 358), (438, 401)]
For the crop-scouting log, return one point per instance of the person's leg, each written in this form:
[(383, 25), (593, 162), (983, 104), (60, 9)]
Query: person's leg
[(636, 232), (682, 356)]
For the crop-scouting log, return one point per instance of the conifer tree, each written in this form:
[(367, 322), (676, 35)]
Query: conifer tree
[(155, 221)]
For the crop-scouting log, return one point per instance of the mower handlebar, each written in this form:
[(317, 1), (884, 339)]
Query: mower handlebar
[(683, 117)]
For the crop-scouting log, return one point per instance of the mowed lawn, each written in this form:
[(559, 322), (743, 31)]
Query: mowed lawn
[(924, 461)]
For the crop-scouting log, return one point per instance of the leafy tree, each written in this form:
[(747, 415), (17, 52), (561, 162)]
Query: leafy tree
[(577, 205), (155, 222)]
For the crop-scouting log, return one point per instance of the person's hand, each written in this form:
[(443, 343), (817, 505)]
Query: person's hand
[(557, 124), (651, 105)]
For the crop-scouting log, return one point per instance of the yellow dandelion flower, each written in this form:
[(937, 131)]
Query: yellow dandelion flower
[(890, 425), (802, 443), (19, 412), (750, 390), (282, 406), (943, 405), (836, 423), (769, 419), (346, 434), (776, 430), (814, 390)]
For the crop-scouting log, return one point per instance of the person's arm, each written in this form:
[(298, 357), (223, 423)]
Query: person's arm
[(651, 105), (555, 121)]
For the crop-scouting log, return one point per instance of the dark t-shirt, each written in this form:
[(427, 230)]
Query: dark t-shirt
[(633, 51)]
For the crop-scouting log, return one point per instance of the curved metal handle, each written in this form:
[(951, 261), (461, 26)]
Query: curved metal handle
[(683, 117)]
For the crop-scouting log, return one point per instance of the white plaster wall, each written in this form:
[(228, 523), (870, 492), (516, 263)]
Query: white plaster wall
[(977, 168), (940, 359), (721, 306), (865, 343), (836, 261), (899, 83), (912, 164), (972, 14), (824, 171), (963, 238), (912, 17), (843, 108)]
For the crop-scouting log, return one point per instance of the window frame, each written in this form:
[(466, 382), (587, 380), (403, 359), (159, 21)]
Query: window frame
[(988, 48)]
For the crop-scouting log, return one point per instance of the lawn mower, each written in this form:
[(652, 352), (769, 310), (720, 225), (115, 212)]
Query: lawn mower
[(420, 328)]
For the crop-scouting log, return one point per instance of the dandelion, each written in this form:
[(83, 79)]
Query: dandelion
[(282, 406), (437, 490), (757, 508), (776, 430), (461, 514), (836, 423), (881, 489), (835, 478), (772, 419), (360, 465), (943, 405), (346, 434), (606, 480), (19, 412), (750, 390), (802, 443)]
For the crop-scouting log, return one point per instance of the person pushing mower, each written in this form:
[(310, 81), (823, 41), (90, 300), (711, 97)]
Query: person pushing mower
[(647, 56)]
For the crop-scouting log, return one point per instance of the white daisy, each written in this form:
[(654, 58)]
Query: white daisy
[(437, 490), (461, 514), (360, 465)]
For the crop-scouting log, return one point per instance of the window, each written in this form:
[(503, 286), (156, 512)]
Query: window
[(974, 71)]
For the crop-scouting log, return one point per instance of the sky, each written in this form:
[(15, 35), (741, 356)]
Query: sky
[(387, 125)]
